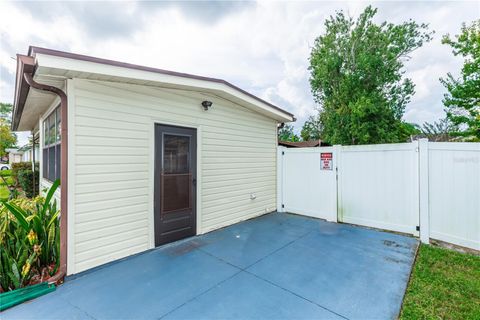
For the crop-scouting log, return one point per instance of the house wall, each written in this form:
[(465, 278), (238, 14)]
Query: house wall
[(111, 165), (14, 157), (28, 155)]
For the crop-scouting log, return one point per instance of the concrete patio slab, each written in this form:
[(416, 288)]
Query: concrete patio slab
[(245, 296), (359, 273), (276, 266)]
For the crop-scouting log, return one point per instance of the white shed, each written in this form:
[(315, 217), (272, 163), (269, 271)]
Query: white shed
[(145, 156)]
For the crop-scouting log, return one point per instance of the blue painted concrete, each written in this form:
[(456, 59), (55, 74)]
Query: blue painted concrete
[(245, 296), (275, 266)]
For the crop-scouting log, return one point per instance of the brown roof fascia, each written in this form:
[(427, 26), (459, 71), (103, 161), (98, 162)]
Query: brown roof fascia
[(32, 51), (25, 64), (303, 144)]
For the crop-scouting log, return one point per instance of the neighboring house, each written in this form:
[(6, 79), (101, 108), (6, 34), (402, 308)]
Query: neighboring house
[(28, 153), (303, 144), (145, 156), (14, 155)]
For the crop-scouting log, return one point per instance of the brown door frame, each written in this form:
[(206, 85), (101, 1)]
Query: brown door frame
[(159, 130)]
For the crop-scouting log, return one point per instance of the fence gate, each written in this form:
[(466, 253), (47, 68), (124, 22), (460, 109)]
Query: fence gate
[(378, 186), (308, 179)]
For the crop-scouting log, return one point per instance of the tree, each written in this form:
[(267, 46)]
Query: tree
[(8, 139), (408, 130), (357, 77), (462, 101), (6, 111), (441, 130), (312, 129), (286, 133)]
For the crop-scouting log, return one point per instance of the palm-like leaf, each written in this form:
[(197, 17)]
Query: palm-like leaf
[(18, 218)]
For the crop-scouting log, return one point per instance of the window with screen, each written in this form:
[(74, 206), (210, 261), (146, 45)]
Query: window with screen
[(51, 146)]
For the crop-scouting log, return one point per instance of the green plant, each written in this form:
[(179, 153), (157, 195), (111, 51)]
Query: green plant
[(30, 240), (19, 166), (286, 134), (8, 139), (25, 179), (357, 77), (462, 101), (23, 175)]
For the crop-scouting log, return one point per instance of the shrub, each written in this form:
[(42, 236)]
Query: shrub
[(30, 240), (23, 174), (19, 166), (25, 179)]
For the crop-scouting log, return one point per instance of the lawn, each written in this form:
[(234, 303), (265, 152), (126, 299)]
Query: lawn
[(4, 193), (445, 284)]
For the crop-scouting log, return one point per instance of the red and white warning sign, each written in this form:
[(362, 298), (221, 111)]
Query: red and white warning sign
[(326, 161)]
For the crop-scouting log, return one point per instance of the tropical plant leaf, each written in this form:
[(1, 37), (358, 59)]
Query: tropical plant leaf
[(14, 280), (21, 255), (50, 194), (19, 214), (16, 274), (53, 219)]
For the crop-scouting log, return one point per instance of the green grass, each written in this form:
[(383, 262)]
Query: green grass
[(5, 173), (4, 193), (445, 284)]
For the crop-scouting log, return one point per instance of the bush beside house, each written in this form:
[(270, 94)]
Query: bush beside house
[(24, 175), (30, 240)]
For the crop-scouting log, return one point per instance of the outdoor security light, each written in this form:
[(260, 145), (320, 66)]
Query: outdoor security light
[(206, 104)]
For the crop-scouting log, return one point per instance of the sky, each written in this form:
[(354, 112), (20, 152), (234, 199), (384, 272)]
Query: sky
[(262, 47)]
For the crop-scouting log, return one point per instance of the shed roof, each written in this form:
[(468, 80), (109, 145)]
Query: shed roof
[(303, 144), (53, 67)]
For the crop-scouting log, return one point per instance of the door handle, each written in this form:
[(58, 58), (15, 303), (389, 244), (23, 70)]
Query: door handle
[(194, 182)]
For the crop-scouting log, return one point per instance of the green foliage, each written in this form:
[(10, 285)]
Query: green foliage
[(357, 77), (7, 185), (5, 173), (30, 240), (6, 111), (8, 139), (287, 134), (22, 172), (312, 129), (4, 192), (442, 130), (462, 101), (25, 179), (408, 130), (19, 166), (444, 285)]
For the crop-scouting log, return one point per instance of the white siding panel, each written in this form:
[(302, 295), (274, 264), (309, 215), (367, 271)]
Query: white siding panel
[(113, 201)]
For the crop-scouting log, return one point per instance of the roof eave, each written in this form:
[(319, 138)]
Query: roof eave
[(25, 64), (33, 51)]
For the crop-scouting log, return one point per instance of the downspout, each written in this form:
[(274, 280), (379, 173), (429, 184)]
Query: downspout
[(33, 165), (61, 272)]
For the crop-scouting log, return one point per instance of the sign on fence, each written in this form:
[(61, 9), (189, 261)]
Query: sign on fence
[(326, 161)]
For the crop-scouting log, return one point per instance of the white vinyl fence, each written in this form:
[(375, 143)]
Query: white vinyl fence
[(306, 189), (431, 189)]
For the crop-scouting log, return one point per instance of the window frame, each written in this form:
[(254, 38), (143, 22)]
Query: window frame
[(51, 145)]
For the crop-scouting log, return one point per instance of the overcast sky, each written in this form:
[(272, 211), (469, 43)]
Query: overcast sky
[(263, 47)]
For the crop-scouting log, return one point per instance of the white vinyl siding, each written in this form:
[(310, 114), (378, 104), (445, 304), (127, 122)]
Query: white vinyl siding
[(112, 141)]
